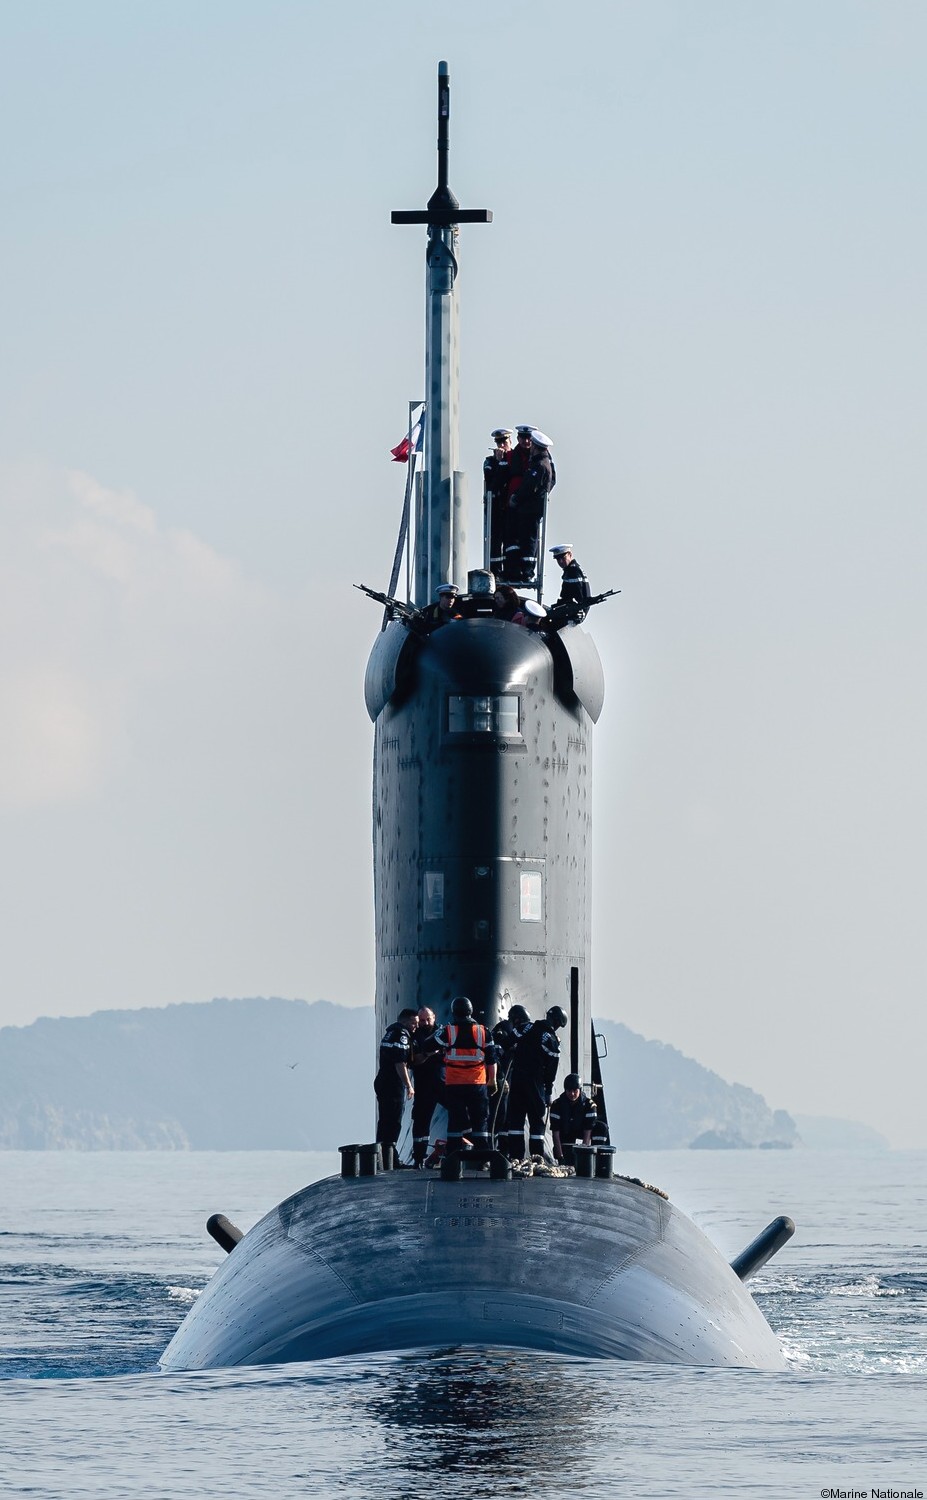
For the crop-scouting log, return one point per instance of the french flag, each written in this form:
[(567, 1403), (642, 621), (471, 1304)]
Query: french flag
[(412, 442)]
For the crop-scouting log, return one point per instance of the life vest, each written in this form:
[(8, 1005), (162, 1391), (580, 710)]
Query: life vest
[(465, 1064)]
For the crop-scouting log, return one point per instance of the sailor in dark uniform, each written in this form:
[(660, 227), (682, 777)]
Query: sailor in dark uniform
[(573, 1116), (534, 1068), (393, 1083), (426, 1078), (497, 471), (446, 607), (530, 501), (519, 459), (506, 1035), (575, 592)]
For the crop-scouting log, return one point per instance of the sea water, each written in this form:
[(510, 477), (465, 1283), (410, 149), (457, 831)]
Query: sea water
[(101, 1254)]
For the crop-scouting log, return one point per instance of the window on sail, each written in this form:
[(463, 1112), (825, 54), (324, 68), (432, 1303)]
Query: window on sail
[(489, 714)]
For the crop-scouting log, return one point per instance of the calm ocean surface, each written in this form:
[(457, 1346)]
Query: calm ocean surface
[(101, 1254)]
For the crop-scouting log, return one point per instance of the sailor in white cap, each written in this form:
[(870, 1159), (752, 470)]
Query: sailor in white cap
[(507, 544), (530, 615), (534, 614), (446, 606), (575, 592), (522, 452), (530, 499), (497, 471)]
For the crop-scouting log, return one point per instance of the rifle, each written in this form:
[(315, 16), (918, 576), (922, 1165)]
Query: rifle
[(573, 609), (398, 610)]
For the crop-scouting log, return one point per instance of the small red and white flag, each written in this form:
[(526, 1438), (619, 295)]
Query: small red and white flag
[(412, 442)]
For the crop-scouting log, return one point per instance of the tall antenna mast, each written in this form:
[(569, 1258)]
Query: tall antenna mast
[(440, 522)]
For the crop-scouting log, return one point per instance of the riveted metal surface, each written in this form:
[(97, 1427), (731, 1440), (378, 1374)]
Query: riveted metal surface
[(477, 812), (389, 666), (579, 668)]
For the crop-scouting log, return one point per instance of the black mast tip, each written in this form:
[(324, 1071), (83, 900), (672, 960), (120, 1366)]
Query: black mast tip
[(443, 209)]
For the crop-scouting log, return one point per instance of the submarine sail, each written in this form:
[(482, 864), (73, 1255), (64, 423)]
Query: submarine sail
[(481, 836)]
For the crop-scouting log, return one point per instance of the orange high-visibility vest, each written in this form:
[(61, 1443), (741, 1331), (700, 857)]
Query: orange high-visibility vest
[(465, 1064)]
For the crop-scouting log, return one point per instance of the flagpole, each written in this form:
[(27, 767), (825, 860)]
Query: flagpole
[(410, 484), (407, 504), (404, 523)]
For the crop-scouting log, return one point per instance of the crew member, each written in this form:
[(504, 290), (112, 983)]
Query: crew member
[(532, 615), (469, 1073), (575, 592), (519, 460), (521, 456), (572, 1115), (446, 607), (393, 1083), (530, 501), (506, 1034), (531, 1077), (506, 602), (426, 1079), (496, 476)]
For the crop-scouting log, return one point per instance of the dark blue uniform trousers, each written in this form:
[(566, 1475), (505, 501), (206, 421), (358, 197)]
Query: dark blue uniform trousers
[(527, 1101), (467, 1114)]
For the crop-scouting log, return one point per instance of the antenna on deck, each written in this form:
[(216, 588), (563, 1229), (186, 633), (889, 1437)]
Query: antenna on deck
[(440, 522)]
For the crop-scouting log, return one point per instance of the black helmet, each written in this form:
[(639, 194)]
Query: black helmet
[(519, 1014), (557, 1017), (461, 1009), (572, 1081)]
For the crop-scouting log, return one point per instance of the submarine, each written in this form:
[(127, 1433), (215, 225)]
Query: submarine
[(482, 823)]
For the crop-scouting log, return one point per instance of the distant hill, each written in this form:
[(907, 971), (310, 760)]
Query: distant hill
[(823, 1133), (207, 1077), (266, 1074), (659, 1098)]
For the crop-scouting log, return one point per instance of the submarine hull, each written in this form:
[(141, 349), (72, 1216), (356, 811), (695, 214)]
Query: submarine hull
[(599, 1269)]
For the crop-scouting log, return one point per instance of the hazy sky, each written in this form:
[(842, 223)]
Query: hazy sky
[(705, 280)]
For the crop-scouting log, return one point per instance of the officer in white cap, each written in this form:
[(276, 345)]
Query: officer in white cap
[(530, 500), (446, 606), (575, 592), (497, 471), (534, 614), (507, 544), (521, 454)]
